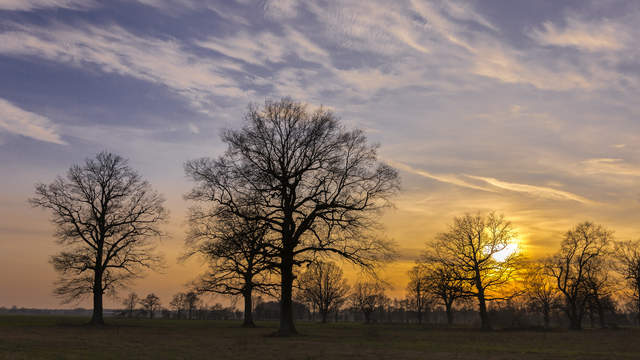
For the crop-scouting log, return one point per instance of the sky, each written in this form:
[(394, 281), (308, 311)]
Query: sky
[(529, 108)]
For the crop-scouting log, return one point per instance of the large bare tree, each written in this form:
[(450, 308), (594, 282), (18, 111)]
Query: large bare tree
[(324, 286), (471, 247), (582, 249), (106, 217), (235, 247), (317, 186)]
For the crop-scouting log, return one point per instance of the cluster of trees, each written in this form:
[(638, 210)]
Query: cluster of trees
[(582, 277), (293, 185), (293, 189)]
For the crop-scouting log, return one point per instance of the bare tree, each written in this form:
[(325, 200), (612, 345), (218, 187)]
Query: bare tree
[(582, 247), (445, 284), (418, 290), (316, 185), (367, 296), (150, 304), (178, 303), (191, 303), (235, 247), (600, 287), (324, 286), (627, 254), (130, 303), (540, 290), (106, 218), (470, 248)]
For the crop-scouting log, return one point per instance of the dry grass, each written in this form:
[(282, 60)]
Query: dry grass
[(42, 337)]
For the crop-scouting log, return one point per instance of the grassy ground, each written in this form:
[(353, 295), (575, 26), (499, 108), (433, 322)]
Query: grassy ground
[(45, 337)]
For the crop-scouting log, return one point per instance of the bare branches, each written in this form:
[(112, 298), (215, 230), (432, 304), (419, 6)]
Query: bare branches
[(468, 251), (575, 267), (316, 186), (106, 216)]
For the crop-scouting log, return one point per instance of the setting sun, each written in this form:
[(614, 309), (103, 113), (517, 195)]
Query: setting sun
[(508, 250)]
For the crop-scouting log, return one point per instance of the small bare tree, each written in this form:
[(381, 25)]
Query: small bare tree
[(324, 286), (540, 290), (235, 247), (418, 294), (178, 304), (130, 303), (367, 296), (445, 285), (582, 248), (318, 187), (106, 217), (150, 304), (627, 254), (470, 248)]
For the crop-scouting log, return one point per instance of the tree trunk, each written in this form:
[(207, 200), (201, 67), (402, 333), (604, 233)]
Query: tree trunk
[(419, 316), (575, 320), (248, 307), (449, 315), (97, 318), (287, 327), (367, 317), (545, 313), (324, 316), (484, 317), (601, 315)]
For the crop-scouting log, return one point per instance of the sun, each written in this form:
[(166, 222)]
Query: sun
[(508, 250)]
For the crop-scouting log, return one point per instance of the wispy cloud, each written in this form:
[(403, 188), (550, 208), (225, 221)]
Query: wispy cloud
[(538, 191), (116, 50), (445, 178), (21, 122), (29, 5), (584, 35), (609, 166)]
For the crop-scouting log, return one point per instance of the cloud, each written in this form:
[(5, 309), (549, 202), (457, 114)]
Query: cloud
[(30, 5), (116, 50), (538, 191), (21, 122), (599, 35), (445, 178), (609, 166)]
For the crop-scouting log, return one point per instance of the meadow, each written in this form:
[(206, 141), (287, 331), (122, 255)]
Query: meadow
[(63, 337)]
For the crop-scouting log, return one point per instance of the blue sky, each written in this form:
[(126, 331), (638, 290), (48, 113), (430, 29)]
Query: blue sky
[(527, 107)]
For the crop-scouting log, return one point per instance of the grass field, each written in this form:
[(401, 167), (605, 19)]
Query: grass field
[(45, 337)]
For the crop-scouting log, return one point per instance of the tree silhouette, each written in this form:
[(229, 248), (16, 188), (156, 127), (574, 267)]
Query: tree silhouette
[(235, 248), (178, 303), (130, 303), (445, 284), (469, 247), (627, 254), (106, 217), (367, 296), (582, 247), (418, 290), (316, 185), (324, 286), (540, 291), (150, 304)]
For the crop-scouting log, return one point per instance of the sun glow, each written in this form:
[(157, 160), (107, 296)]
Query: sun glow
[(508, 250)]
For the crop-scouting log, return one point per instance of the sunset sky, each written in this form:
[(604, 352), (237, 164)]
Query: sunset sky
[(530, 108)]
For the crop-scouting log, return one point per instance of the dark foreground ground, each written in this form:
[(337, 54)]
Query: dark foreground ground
[(47, 337)]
